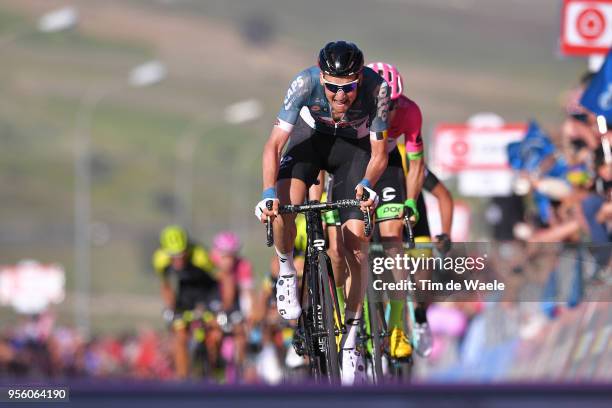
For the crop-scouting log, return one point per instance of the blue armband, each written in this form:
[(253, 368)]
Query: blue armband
[(269, 193), (366, 183)]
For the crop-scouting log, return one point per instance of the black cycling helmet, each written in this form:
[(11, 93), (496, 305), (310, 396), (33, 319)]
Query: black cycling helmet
[(340, 59)]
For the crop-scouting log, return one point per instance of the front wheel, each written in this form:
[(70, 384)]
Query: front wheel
[(328, 313), (375, 334)]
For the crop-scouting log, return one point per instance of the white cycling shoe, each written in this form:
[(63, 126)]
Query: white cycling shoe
[(287, 301), (353, 368), (424, 339)]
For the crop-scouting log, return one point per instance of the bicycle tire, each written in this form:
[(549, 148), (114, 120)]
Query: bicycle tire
[(307, 319), (332, 368), (366, 337), (375, 330), (199, 364), (401, 371), (376, 336)]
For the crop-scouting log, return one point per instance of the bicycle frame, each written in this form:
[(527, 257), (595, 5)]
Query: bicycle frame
[(374, 340), (318, 289), (315, 248), (315, 330)]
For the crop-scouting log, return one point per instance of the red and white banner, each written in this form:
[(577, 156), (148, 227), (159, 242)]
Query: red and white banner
[(460, 147), (586, 27), (30, 286)]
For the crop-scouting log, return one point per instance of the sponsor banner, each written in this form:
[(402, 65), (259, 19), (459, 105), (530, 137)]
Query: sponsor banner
[(586, 27), (486, 183), (29, 287), (461, 147)]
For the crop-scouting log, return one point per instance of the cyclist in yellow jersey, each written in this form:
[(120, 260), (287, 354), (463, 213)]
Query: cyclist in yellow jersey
[(187, 280)]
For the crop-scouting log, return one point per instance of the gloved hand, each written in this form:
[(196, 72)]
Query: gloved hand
[(262, 212), (444, 243), (372, 200), (412, 205)]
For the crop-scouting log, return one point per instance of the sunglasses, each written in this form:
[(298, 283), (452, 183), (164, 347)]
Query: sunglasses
[(346, 88)]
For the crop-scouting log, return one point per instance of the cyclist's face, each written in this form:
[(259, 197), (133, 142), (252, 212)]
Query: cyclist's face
[(341, 100), (179, 261), (226, 261)]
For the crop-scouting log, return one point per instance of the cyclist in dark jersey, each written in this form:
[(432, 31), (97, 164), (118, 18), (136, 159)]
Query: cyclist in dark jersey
[(422, 330), (187, 280), (327, 115), (445, 206)]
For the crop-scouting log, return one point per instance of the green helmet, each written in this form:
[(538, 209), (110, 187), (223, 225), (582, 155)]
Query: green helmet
[(173, 239)]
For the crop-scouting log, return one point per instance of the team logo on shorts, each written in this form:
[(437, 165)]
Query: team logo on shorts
[(388, 193), (285, 161)]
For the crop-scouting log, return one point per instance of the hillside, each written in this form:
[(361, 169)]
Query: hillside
[(458, 57)]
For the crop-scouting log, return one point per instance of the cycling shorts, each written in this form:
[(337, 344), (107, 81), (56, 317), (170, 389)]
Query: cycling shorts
[(311, 151), (391, 189), (188, 297), (332, 218), (421, 229)]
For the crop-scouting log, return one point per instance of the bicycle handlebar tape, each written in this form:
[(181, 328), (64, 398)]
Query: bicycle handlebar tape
[(368, 224), (269, 232), (408, 226), (366, 214)]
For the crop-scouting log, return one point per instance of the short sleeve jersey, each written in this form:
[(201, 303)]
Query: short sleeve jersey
[(242, 270), (199, 269), (367, 114), (407, 122)]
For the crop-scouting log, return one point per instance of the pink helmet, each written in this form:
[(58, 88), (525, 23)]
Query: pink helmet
[(391, 75), (227, 242)]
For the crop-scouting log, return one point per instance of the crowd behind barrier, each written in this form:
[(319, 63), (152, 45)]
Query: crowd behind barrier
[(563, 332), (554, 325)]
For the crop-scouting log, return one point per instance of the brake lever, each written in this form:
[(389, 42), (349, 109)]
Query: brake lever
[(408, 225), (269, 231), (367, 218)]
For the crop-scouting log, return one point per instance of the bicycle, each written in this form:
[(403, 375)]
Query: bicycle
[(321, 322), (198, 321), (376, 332)]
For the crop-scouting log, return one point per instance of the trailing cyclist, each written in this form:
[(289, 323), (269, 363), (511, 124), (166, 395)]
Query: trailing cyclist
[(399, 192), (234, 273), (421, 330), (235, 276), (187, 280), (345, 103)]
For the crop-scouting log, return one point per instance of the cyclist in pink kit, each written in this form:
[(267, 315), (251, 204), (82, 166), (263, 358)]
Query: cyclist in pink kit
[(398, 193), (235, 273)]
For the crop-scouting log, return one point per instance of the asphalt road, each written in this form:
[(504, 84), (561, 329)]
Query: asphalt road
[(152, 395)]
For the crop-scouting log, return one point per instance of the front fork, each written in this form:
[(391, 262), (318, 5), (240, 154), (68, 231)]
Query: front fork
[(314, 226)]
